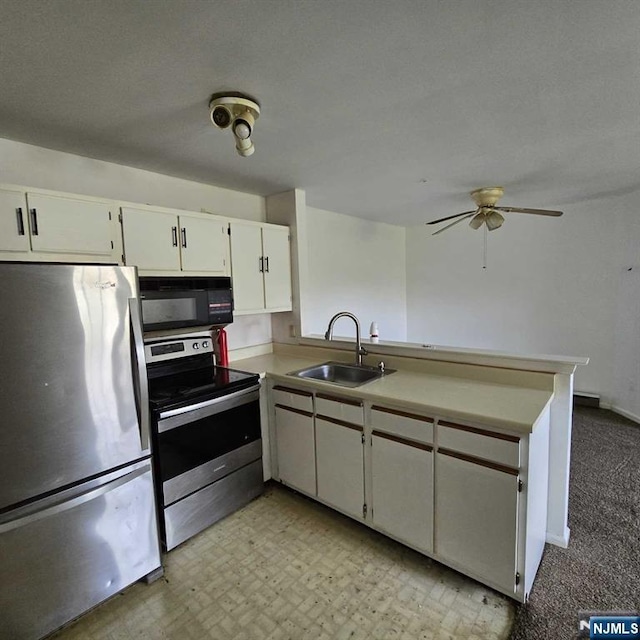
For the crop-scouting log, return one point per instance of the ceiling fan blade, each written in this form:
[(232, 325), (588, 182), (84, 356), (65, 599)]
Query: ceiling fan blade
[(477, 220), (453, 223), (539, 212), (457, 215)]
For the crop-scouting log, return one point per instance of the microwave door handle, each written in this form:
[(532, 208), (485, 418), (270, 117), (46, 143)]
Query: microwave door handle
[(141, 389)]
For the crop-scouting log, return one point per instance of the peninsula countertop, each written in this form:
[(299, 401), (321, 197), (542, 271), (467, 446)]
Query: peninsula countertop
[(504, 406)]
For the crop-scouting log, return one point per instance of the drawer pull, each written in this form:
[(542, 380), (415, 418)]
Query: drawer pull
[(325, 396), (402, 414), (297, 392), (405, 441), (482, 432), (479, 461), (300, 411), (341, 423)]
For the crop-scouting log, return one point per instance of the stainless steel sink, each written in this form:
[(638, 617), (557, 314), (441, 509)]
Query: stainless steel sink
[(347, 375)]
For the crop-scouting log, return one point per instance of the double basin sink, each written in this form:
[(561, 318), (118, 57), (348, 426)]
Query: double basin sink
[(346, 375)]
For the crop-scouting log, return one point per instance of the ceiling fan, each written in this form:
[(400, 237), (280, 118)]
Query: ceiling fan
[(487, 213)]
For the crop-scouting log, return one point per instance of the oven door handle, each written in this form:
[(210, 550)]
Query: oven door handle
[(141, 386), (216, 405)]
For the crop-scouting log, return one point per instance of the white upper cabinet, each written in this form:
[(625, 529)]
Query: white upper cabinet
[(260, 267), (14, 227), (204, 244), (277, 268), (43, 226), (65, 225), (165, 242)]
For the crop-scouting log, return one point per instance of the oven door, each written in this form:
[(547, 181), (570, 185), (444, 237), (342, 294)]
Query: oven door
[(199, 444)]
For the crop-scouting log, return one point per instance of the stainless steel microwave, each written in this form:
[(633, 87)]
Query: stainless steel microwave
[(176, 302)]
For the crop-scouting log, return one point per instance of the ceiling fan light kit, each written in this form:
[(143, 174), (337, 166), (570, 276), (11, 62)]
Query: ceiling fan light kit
[(238, 112), (487, 212)]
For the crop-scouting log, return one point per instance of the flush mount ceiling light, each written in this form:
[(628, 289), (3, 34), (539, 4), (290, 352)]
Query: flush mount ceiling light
[(238, 112)]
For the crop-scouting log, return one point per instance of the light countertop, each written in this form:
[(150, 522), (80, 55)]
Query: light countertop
[(513, 408)]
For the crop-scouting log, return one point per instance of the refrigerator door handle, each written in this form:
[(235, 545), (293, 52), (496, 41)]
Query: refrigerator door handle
[(59, 507), (142, 395)]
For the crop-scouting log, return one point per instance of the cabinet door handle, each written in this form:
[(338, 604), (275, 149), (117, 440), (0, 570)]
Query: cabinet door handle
[(261, 264), (34, 222), (20, 221), (183, 233), (174, 236), (266, 261)]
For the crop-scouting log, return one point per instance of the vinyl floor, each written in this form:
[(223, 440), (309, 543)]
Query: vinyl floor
[(285, 567)]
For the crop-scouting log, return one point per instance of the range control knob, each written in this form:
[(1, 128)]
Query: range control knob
[(205, 344), (196, 345)]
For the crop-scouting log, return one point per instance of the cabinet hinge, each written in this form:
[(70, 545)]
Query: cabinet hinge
[(119, 217), (229, 230), (110, 217), (122, 257), (363, 438), (364, 510), (517, 579), (112, 245), (520, 486)]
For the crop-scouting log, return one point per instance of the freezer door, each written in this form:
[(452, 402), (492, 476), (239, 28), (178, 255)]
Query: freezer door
[(60, 558), (73, 388)]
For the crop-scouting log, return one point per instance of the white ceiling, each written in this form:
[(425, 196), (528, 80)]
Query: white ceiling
[(391, 111)]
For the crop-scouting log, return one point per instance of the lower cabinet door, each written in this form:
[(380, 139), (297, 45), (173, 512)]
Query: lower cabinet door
[(477, 519), (340, 465), (402, 487), (295, 445)]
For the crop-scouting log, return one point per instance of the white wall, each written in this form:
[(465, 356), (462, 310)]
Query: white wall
[(627, 327), (358, 266), (552, 285), (32, 166)]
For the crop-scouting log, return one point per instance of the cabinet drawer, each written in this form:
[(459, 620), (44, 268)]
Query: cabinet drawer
[(401, 423), (480, 443), (294, 398), (344, 409)]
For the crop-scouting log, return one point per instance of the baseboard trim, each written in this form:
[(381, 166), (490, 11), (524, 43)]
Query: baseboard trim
[(626, 414), (559, 541)]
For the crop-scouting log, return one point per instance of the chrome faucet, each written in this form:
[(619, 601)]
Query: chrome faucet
[(360, 350)]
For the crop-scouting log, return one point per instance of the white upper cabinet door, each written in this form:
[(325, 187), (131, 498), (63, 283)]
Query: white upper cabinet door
[(14, 227), (204, 244), (66, 225), (151, 239), (277, 268), (246, 267)]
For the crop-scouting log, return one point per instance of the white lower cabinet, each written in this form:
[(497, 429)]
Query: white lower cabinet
[(402, 489), (340, 465), (476, 524), (469, 496), (295, 446)]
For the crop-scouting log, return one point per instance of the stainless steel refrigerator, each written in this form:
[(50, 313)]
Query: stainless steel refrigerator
[(77, 512)]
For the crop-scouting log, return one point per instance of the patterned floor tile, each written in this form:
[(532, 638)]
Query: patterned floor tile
[(287, 568)]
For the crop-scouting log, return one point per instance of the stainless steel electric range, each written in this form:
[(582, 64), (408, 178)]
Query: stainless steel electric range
[(207, 447)]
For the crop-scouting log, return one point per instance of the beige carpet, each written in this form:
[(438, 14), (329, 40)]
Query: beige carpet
[(287, 567)]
